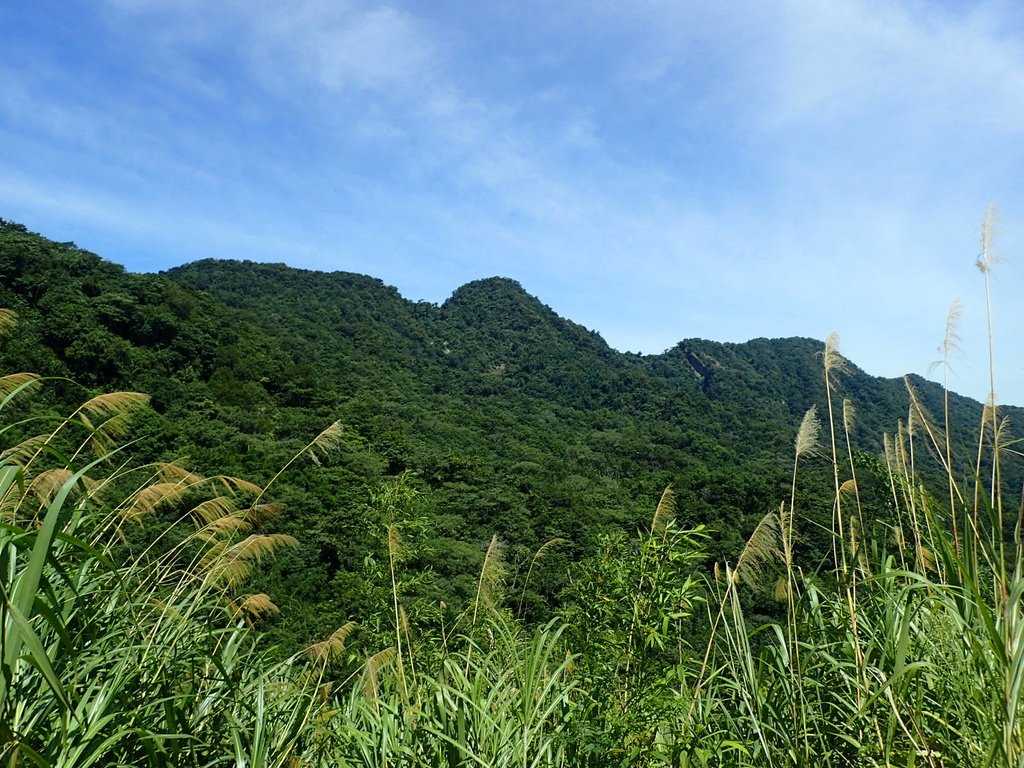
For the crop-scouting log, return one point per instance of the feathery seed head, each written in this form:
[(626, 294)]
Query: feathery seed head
[(239, 485), (114, 403), (229, 524), (147, 499), (780, 592), (46, 484), (334, 646), (214, 509), (549, 544), (254, 607), (664, 512), (952, 339), (326, 443), (21, 383), (232, 565), (989, 229), (171, 471), (990, 412), (492, 574), (762, 550), (807, 435), (23, 453), (849, 414), (374, 665), (395, 548), (832, 360), (260, 513), (8, 319)]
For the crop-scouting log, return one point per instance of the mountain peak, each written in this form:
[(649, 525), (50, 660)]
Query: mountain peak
[(491, 289)]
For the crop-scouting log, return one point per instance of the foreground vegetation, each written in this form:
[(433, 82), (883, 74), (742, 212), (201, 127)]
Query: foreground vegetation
[(130, 622), (493, 414)]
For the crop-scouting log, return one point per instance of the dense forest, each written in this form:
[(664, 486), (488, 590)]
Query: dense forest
[(490, 479)]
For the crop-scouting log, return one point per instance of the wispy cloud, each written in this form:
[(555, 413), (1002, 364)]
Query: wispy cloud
[(905, 64), (655, 170), (376, 49)]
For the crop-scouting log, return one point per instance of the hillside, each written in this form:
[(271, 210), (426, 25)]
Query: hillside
[(491, 412)]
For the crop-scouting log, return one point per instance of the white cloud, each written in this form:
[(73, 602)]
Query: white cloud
[(380, 49), (660, 167), (828, 62)]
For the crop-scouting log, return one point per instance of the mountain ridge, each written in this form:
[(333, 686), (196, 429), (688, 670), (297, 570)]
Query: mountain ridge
[(499, 416), (506, 286)]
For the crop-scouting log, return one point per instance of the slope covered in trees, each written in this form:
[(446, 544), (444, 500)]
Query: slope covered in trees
[(810, 596), (488, 414)]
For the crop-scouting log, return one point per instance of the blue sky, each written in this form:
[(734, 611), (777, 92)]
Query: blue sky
[(653, 170)]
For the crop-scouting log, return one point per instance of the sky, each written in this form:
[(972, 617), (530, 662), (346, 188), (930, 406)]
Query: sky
[(654, 170)]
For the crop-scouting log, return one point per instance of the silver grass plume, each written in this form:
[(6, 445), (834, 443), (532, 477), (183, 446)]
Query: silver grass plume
[(46, 484), (492, 575), (849, 414), (951, 340), (24, 452), (832, 359), (253, 607), (233, 564), (334, 646), (112, 404), (374, 664), (172, 471), (664, 514), (17, 383), (761, 552), (989, 230), (8, 319), (326, 443), (238, 484), (807, 435), (214, 509), (148, 499)]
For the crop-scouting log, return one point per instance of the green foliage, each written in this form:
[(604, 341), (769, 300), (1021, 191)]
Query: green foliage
[(509, 419), (627, 615), (119, 658), (875, 619)]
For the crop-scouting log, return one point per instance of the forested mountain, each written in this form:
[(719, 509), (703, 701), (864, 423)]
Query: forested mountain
[(488, 414)]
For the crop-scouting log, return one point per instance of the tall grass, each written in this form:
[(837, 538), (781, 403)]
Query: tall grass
[(114, 655), (905, 649), (131, 658), (888, 656)]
